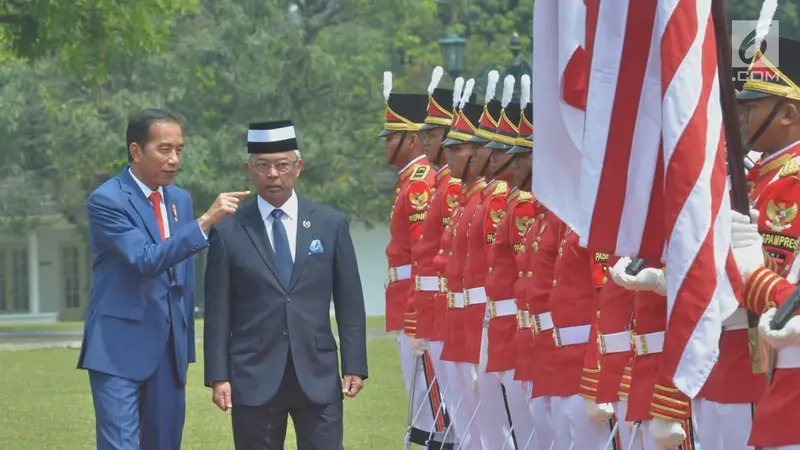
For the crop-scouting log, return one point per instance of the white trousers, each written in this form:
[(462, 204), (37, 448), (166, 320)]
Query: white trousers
[(722, 426), (542, 423), (620, 410), (643, 440), (493, 420), (468, 405), (571, 425), (783, 447), (425, 403), (452, 387)]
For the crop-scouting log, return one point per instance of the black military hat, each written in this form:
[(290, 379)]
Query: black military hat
[(440, 102), (505, 135), (271, 137), (404, 112), (524, 140), (491, 112), (767, 79)]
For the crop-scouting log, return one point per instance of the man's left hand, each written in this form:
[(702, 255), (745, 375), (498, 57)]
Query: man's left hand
[(352, 385)]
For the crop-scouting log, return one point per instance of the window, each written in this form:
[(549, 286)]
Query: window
[(72, 279), (14, 280)]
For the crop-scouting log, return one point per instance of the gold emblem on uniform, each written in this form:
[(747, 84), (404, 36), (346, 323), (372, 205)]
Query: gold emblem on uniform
[(780, 216), (789, 169), (522, 224), (495, 215), (419, 201), (451, 201)]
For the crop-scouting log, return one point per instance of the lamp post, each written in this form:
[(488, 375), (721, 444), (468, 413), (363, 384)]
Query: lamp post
[(516, 67), (453, 49)]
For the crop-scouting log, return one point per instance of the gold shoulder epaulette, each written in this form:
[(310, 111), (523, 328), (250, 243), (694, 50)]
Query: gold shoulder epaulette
[(789, 169), (501, 188), (454, 180), (525, 196), (420, 172)]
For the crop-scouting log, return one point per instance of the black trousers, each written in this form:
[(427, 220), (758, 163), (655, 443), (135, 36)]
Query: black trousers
[(318, 427)]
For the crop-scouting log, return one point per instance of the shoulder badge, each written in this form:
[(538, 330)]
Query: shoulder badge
[(501, 188), (780, 216), (789, 169), (419, 200), (454, 180), (525, 196), (522, 224), (420, 172)]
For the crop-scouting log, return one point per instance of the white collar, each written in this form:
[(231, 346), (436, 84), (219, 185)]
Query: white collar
[(778, 153), (289, 208), (413, 161), (146, 190), (441, 169)]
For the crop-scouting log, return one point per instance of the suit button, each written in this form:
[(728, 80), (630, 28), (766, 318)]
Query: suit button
[(288, 299), (285, 333)]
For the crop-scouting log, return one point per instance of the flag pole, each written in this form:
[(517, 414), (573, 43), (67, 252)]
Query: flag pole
[(735, 150)]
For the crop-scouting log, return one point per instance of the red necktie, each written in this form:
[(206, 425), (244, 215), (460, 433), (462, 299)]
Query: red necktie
[(155, 199)]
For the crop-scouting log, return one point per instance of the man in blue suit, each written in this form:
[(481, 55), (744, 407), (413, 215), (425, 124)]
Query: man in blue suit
[(139, 333)]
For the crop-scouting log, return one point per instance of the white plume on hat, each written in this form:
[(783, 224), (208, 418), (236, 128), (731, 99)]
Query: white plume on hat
[(467, 92), (524, 90), (508, 90), (491, 86), (458, 87), (764, 21), (436, 77), (387, 85)]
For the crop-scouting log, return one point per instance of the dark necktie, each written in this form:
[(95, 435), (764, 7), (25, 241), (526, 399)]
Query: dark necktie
[(281, 246)]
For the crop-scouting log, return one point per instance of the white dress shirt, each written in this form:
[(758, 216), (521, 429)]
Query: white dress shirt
[(289, 220), (147, 191)]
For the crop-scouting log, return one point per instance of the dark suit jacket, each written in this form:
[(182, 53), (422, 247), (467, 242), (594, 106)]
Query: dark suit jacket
[(252, 318)]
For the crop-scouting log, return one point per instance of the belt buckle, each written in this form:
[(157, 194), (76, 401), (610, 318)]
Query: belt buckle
[(451, 300), (466, 297), (417, 283), (557, 336), (443, 284), (601, 341), (536, 324), (492, 310), (643, 341), (520, 320)]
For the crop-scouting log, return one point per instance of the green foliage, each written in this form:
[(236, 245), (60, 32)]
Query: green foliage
[(230, 62), (91, 36)]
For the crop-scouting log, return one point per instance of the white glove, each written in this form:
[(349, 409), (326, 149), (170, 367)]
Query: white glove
[(744, 230), (668, 434), (418, 345), (599, 413), (786, 337), (649, 279), (748, 250)]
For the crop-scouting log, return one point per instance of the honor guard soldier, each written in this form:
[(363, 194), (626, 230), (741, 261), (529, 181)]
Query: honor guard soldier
[(605, 362), (428, 281), (770, 121), (501, 354), (403, 147), (542, 242), (492, 423), (573, 304), (522, 165), (455, 256)]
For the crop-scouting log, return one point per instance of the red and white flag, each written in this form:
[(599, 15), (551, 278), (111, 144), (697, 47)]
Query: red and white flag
[(651, 170)]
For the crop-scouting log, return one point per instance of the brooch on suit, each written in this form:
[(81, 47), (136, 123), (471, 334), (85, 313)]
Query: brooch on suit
[(174, 213), (315, 248)]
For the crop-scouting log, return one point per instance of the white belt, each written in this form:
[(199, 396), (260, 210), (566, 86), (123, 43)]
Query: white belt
[(502, 308), (647, 344), (788, 358), (736, 321), (456, 300), (399, 273), (541, 322), (523, 319), (475, 296), (571, 335), (430, 284), (615, 342)]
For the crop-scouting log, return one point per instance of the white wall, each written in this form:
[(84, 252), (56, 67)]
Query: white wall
[(372, 265)]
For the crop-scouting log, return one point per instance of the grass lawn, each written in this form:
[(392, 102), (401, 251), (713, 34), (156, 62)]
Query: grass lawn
[(48, 404)]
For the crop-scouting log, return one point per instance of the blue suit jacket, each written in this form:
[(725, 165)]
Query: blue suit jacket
[(138, 279)]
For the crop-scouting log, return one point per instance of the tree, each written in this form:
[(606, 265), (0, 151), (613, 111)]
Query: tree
[(87, 34)]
